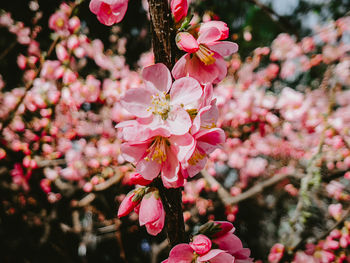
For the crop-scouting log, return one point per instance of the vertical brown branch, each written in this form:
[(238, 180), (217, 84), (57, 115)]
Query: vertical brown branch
[(163, 39)]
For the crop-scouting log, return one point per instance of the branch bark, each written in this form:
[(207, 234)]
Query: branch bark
[(163, 40)]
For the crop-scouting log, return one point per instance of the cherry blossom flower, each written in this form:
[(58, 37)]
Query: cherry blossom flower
[(109, 12), (163, 105), (204, 59)]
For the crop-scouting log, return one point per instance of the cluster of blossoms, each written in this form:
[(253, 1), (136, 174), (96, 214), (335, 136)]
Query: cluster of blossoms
[(273, 121), (214, 243), (331, 249), (175, 126)]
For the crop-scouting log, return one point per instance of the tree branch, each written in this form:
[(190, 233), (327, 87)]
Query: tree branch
[(163, 39)]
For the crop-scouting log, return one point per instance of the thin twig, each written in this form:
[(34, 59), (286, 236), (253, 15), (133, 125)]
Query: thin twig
[(227, 199), (8, 49), (111, 181)]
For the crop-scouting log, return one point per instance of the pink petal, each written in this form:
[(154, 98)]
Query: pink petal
[(133, 152), (178, 121), (193, 170), (206, 118), (171, 166), (95, 6), (156, 227), (185, 91), (157, 76), (148, 169), (211, 254), (179, 182), (223, 258), (225, 228), (137, 101), (180, 68), (119, 9), (209, 36), (198, 70), (181, 253), (224, 48), (184, 145), (221, 26), (221, 68), (229, 242), (186, 42), (151, 209), (209, 140)]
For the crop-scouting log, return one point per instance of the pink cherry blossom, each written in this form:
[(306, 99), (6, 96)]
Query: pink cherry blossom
[(204, 60), (159, 155), (129, 203), (229, 242), (162, 103), (109, 12)]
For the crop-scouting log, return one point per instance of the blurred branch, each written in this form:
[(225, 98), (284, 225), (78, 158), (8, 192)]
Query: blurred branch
[(156, 249), (226, 197), (8, 49), (313, 176), (283, 23), (111, 181), (86, 200)]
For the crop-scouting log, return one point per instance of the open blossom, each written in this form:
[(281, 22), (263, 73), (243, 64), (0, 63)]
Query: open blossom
[(204, 59), (207, 138), (159, 155), (165, 110), (229, 242), (109, 12)]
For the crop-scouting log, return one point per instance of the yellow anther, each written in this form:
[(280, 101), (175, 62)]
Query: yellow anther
[(205, 55)]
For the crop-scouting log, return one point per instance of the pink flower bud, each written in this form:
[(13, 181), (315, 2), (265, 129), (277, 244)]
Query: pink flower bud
[(129, 203), (62, 53), (335, 210), (74, 24), (137, 178), (152, 214), (276, 253), (186, 42), (21, 61), (88, 187), (73, 42), (2, 154), (201, 244), (179, 9)]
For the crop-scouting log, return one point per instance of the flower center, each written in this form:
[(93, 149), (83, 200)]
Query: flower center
[(160, 105), (205, 55), (197, 155), (59, 22), (157, 150)]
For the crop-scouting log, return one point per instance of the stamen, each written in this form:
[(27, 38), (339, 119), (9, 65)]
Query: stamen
[(197, 155), (160, 105), (205, 55), (157, 150)]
